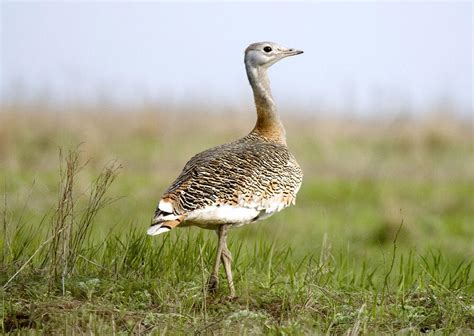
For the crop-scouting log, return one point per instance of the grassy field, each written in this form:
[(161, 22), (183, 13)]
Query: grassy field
[(379, 242)]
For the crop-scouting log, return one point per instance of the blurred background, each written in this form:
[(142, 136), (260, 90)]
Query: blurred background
[(360, 58), (378, 110)]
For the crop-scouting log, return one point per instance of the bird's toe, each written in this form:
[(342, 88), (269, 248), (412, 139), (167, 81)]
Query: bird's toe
[(229, 298), (212, 284)]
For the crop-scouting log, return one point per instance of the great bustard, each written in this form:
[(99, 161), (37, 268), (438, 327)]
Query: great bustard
[(240, 182)]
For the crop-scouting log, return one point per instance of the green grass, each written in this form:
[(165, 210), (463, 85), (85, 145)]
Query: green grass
[(379, 242)]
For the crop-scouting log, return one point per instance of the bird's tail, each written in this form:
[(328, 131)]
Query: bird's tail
[(164, 222)]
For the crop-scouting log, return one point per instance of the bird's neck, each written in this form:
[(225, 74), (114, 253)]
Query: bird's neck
[(268, 123)]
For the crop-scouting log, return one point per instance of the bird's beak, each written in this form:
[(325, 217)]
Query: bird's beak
[(292, 52)]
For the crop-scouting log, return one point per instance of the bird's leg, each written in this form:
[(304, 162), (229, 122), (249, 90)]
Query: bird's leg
[(214, 278), (227, 261)]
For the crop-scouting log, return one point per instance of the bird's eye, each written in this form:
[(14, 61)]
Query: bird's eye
[(267, 49)]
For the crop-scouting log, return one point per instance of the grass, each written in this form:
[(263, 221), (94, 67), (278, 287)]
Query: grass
[(380, 241)]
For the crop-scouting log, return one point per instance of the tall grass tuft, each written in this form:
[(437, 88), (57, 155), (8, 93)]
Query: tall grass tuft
[(71, 227)]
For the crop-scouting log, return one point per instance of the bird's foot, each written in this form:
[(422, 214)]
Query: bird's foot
[(212, 284), (229, 298)]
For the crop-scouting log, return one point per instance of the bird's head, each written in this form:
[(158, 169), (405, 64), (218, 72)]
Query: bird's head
[(265, 54)]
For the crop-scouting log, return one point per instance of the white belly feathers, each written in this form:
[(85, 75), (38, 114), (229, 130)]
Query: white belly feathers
[(224, 214), (247, 211)]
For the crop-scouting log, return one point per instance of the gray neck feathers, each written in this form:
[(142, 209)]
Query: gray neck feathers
[(268, 122)]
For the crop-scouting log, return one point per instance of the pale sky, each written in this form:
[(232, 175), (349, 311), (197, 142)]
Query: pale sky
[(360, 56)]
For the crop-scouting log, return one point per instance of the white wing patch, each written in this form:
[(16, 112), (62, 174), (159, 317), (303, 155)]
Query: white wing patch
[(165, 206)]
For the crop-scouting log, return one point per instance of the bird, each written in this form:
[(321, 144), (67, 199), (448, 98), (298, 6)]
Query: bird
[(240, 182)]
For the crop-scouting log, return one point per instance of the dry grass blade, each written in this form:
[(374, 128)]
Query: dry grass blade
[(97, 200), (62, 222), (68, 234)]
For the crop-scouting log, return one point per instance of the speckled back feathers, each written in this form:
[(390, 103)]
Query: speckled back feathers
[(252, 172)]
